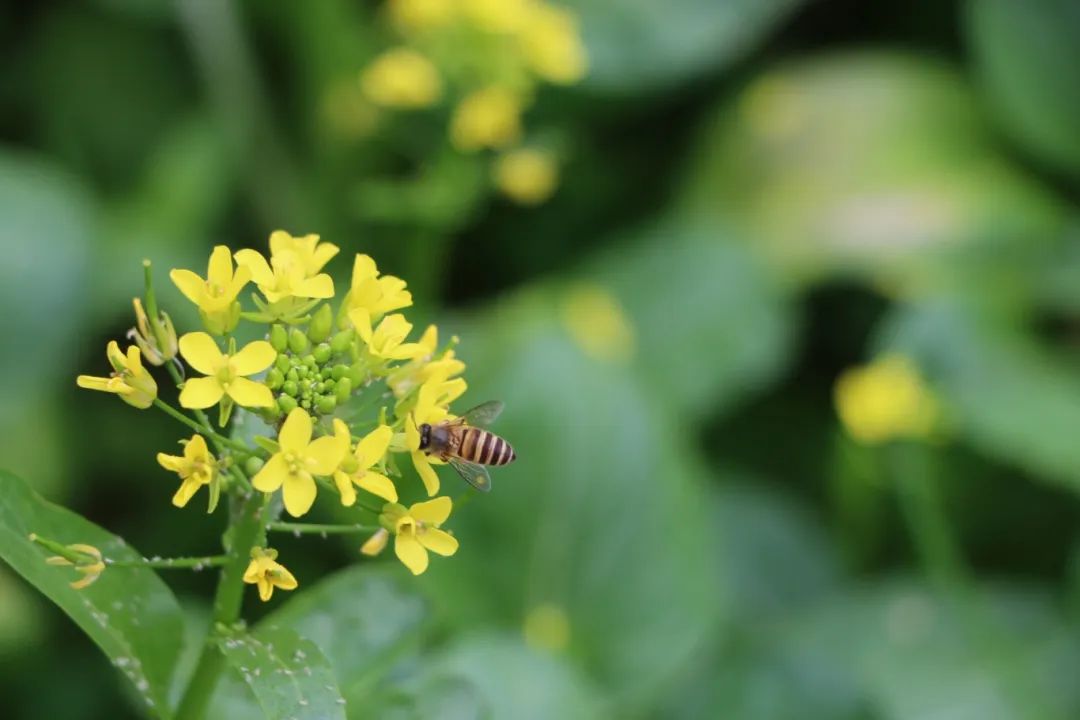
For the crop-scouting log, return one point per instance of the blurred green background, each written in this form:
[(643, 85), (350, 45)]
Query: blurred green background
[(755, 196)]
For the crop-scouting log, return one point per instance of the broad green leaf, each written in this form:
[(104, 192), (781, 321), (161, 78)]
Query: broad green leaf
[(129, 612), (1027, 54), (288, 675), (640, 45)]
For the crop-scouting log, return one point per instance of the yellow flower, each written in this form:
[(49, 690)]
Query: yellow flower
[(197, 467), (373, 294), (356, 469), (423, 367), (552, 44), (598, 323), (416, 530), (387, 341), (91, 566), (144, 336), (130, 380), (886, 400), (547, 627), (497, 16), (421, 15), (527, 176), (226, 374), (264, 571), (307, 250), (490, 117), (432, 404), (285, 276), (215, 296), (294, 466), (375, 544), (401, 78)]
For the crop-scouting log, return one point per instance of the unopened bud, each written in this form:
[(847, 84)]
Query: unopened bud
[(286, 403), (222, 322), (147, 332), (321, 324), (325, 404), (274, 379), (341, 341), (279, 338), (343, 390), (252, 466), (321, 353), (298, 341)]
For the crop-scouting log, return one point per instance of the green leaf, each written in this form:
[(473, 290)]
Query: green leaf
[(288, 675), (129, 612), (1027, 54), (641, 45)]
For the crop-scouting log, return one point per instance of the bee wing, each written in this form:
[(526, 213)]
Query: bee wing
[(476, 475), (484, 414)]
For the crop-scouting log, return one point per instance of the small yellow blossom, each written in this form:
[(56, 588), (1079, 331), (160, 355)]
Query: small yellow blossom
[(130, 380), (423, 367), (265, 572), (307, 250), (547, 628), (598, 323), (432, 407), (215, 296), (387, 341), (294, 466), (144, 336), (401, 78), (372, 294), (527, 176), (356, 469), (226, 374), (91, 566), (497, 16), (552, 44), (490, 117), (197, 467), (886, 400), (421, 15), (375, 544), (416, 531), (285, 276)]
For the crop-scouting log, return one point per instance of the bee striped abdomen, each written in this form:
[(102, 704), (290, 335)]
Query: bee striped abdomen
[(485, 448)]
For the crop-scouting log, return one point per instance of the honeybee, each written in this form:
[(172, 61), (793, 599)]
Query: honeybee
[(466, 446)]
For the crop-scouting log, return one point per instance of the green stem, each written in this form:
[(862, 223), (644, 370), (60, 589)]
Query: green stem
[(181, 417), (316, 528), (178, 563), (246, 523)]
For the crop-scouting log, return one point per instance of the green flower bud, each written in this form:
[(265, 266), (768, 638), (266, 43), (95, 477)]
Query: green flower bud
[(298, 341), (321, 324), (329, 385), (279, 338), (295, 361), (325, 404), (286, 403), (252, 466), (309, 361), (283, 363), (289, 387), (341, 341), (326, 373), (321, 353), (339, 371), (356, 374), (320, 387), (292, 375), (306, 404), (274, 378), (343, 390)]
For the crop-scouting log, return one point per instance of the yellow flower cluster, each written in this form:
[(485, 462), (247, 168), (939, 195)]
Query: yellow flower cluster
[(493, 54), (307, 380)]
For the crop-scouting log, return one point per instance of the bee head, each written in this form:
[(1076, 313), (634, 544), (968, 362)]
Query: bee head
[(425, 436)]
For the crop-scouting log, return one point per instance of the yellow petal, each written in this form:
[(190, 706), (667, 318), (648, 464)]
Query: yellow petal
[(201, 352), (296, 432), (412, 434), (239, 280), (171, 463), (438, 541), (253, 358), (257, 266), (280, 241), (201, 393), (371, 449), (250, 393), (196, 449), (266, 588), (323, 254), (376, 543), (284, 578), (272, 474), (427, 473), (253, 571), (220, 269), (406, 351), (320, 286), (325, 454), (298, 492), (432, 512), (411, 553), (345, 488), (363, 269), (186, 491), (361, 320), (191, 285), (377, 484), (113, 385)]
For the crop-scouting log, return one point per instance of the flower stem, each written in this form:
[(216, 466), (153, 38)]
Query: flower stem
[(315, 528), (181, 417), (178, 563)]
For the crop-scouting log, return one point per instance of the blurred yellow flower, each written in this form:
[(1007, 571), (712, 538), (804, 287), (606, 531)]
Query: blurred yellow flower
[(547, 628), (387, 341), (374, 295), (526, 176), (265, 572), (299, 459), (144, 336), (401, 78), (306, 250), (197, 467), (285, 276), (130, 380), (416, 531), (356, 469), (91, 566), (226, 374), (490, 117), (598, 323), (497, 16), (886, 400), (215, 296), (552, 45), (421, 15)]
